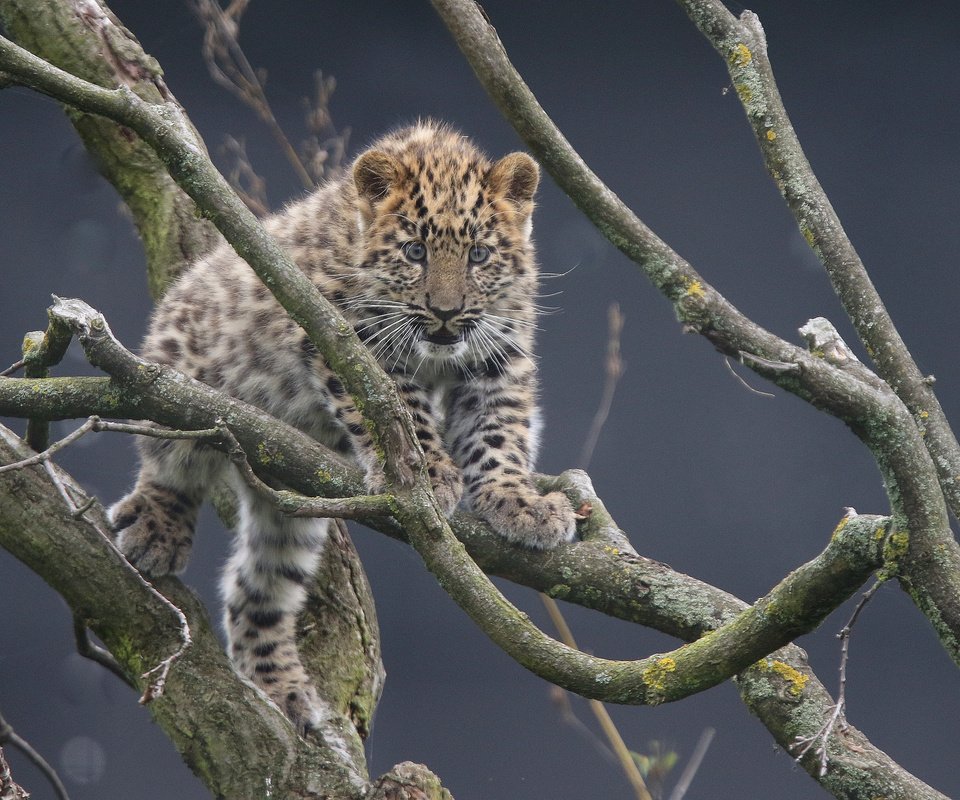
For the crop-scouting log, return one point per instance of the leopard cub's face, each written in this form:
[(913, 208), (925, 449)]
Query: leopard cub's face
[(447, 276)]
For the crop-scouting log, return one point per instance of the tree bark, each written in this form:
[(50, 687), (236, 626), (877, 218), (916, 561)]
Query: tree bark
[(86, 39)]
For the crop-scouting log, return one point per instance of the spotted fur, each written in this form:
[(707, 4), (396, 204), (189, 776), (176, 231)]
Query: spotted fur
[(425, 247)]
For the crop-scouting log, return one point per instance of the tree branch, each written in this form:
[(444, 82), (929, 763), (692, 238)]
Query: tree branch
[(219, 722), (743, 46), (690, 669), (930, 564), (930, 558)]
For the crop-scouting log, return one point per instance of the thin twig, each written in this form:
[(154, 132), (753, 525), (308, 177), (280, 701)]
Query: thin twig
[(613, 371), (16, 365), (624, 758), (244, 179), (89, 649), (693, 765), (228, 66), (294, 504), (40, 458), (740, 378), (818, 742), (98, 425), (561, 698), (8, 735)]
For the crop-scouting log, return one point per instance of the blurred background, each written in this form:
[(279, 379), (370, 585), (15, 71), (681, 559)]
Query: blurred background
[(722, 483)]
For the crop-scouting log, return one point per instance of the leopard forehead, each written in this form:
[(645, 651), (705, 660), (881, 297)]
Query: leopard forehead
[(446, 199)]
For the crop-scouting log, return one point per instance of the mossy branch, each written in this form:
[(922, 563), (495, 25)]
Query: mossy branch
[(220, 723), (869, 407), (690, 669)]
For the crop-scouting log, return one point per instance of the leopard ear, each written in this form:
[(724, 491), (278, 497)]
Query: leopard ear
[(516, 176), (375, 173)]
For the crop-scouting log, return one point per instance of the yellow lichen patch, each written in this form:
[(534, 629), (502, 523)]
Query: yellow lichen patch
[(655, 676), (896, 545), (771, 135), (744, 92), (796, 679), (613, 551), (695, 289), (840, 526), (266, 456), (741, 55)]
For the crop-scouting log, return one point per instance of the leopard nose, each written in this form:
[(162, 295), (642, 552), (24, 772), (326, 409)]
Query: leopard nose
[(444, 314)]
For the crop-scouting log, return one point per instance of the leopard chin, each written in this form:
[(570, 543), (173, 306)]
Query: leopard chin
[(436, 352)]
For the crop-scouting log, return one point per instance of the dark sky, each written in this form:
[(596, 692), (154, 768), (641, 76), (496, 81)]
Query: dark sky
[(732, 487)]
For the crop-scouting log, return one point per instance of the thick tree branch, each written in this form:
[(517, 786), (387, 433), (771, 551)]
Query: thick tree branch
[(692, 668), (220, 723)]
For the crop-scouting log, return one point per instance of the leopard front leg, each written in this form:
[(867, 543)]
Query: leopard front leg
[(492, 435), (444, 475)]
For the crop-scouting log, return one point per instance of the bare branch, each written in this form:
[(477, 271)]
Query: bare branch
[(9, 736), (613, 371), (742, 45), (819, 741), (229, 67)]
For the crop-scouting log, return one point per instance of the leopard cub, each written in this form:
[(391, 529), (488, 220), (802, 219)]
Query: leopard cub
[(425, 247)]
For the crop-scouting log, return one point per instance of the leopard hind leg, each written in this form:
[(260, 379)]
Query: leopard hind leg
[(154, 523), (264, 588)]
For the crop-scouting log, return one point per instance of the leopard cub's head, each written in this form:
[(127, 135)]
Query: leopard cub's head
[(448, 275)]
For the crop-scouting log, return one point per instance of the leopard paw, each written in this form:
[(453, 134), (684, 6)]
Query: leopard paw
[(154, 529), (541, 522)]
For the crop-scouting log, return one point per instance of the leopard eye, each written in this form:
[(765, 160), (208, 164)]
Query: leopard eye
[(478, 254), (415, 252)]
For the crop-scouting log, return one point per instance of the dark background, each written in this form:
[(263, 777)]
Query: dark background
[(722, 483)]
